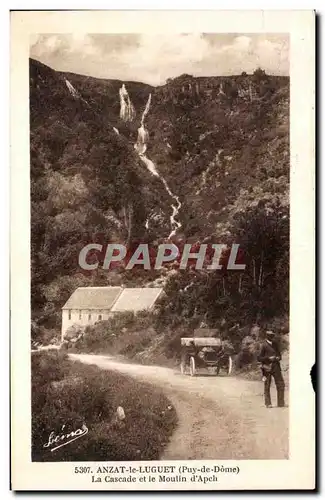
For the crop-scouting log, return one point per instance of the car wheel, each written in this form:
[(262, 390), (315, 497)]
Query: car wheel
[(229, 365), (192, 367)]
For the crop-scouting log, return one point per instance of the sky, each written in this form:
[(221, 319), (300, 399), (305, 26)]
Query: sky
[(154, 58)]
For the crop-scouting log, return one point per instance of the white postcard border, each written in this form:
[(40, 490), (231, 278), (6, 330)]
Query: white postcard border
[(299, 471)]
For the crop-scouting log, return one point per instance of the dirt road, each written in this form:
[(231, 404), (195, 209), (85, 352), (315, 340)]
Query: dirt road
[(219, 417)]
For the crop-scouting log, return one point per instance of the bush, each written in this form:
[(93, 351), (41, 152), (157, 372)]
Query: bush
[(73, 332), (48, 367)]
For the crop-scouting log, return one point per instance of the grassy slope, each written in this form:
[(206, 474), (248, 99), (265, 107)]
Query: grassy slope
[(71, 394)]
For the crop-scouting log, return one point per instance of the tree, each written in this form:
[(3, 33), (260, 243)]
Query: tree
[(259, 76)]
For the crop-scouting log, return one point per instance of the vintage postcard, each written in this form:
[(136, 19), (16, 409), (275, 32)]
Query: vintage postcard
[(162, 234)]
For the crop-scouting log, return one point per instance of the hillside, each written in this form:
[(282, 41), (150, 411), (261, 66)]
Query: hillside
[(220, 144), (220, 139)]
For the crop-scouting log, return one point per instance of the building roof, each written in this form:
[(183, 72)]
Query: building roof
[(136, 299), (114, 298), (99, 297)]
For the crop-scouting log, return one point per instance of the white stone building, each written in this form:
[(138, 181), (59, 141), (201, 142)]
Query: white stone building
[(88, 305)]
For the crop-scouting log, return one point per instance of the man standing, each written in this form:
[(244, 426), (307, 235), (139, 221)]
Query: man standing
[(270, 358)]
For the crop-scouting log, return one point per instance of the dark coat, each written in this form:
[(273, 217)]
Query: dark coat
[(267, 350)]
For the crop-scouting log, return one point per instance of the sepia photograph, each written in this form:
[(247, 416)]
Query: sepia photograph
[(159, 140), (160, 253)]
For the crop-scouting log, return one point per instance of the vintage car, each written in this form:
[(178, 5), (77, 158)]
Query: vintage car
[(207, 353)]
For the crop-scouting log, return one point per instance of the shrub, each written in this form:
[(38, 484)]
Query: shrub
[(48, 366), (73, 332)]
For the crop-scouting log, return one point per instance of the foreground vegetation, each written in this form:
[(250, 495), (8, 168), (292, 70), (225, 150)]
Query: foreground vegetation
[(69, 395)]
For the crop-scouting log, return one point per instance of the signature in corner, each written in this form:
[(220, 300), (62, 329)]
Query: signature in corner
[(63, 439)]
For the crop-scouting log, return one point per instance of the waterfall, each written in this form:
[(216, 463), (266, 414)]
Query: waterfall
[(141, 147), (176, 208), (221, 91), (146, 110), (75, 92), (127, 111), (72, 90)]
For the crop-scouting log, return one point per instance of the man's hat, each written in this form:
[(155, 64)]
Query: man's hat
[(270, 332)]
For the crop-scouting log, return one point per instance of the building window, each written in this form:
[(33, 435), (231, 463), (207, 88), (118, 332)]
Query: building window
[(99, 317), (69, 312), (79, 314), (89, 317)]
